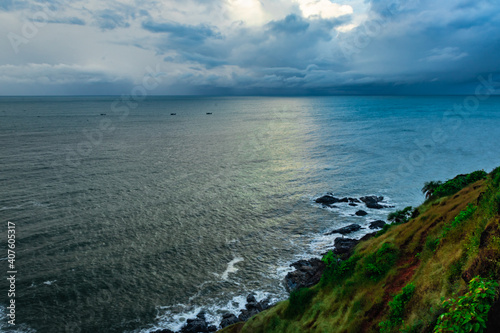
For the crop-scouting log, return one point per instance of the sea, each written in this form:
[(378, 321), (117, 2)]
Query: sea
[(133, 215)]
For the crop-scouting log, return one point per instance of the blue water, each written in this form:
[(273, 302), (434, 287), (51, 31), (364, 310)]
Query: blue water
[(129, 218)]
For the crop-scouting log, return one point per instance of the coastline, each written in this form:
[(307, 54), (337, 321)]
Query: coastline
[(307, 271)]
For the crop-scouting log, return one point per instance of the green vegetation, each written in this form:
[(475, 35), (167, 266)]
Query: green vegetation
[(468, 313), (397, 309), (379, 263), (401, 216), (454, 185), (336, 269), (398, 217), (299, 300), (430, 187), (447, 248), (457, 221)]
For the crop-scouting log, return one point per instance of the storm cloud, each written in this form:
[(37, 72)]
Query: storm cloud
[(249, 46)]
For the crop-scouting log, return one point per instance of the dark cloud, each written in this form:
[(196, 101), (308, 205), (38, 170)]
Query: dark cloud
[(417, 47), (180, 31), (292, 24)]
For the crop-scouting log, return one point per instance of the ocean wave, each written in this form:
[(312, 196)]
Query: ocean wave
[(5, 327), (174, 317)]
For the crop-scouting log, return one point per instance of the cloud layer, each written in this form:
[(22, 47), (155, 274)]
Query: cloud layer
[(248, 46)]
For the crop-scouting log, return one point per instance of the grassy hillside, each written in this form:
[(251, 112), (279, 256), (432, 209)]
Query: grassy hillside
[(434, 272)]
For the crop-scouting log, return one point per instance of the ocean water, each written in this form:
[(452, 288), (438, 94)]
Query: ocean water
[(130, 219)]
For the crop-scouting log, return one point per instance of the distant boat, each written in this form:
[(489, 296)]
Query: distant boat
[(209, 112), (173, 114), (103, 114)]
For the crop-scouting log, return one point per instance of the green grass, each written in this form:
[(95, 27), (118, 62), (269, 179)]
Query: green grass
[(377, 264), (453, 239), (299, 300), (397, 309)]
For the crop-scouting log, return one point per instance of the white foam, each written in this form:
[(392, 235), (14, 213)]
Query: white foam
[(12, 207), (230, 267), (49, 283), (8, 328), (174, 317)]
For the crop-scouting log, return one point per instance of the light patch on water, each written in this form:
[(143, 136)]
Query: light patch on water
[(32, 203), (230, 267), (49, 283)]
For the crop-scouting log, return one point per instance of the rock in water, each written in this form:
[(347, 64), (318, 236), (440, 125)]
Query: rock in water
[(371, 198), (252, 308), (345, 230), (361, 213), (307, 274), (344, 245), (228, 319), (377, 224), (372, 201), (329, 200), (196, 325)]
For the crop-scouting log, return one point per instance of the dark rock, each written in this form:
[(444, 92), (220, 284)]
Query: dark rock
[(377, 224), (415, 213), (251, 298), (247, 314), (307, 274), (252, 308), (368, 236), (228, 319), (344, 245), (329, 200), (212, 328), (346, 230), (165, 330), (352, 204), (196, 325), (353, 200), (361, 213), (374, 205), (372, 201), (371, 198)]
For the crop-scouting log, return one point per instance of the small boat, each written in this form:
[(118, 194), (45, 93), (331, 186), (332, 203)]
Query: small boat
[(209, 112), (103, 114), (173, 114)]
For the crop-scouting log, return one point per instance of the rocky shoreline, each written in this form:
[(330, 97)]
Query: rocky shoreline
[(307, 273)]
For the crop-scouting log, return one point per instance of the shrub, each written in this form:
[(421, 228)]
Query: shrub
[(338, 270), (397, 308), (495, 177), (468, 313), (299, 300), (454, 185), (401, 216), (379, 263), (430, 187)]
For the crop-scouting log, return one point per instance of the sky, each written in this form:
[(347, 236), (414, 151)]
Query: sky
[(247, 47)]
